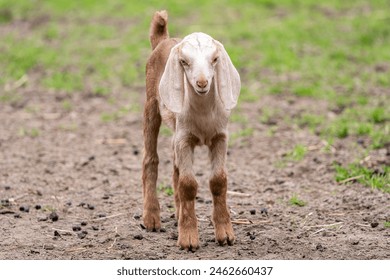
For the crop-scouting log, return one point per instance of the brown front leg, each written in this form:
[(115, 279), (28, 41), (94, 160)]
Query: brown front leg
[(185, 194), (151, 207), (218, 186)]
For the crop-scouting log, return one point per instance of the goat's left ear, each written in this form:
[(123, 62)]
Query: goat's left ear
[(227, 80)]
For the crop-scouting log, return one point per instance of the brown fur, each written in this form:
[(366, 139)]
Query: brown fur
[(184, 182)]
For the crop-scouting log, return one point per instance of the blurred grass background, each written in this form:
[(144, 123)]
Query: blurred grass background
[(334, 51)]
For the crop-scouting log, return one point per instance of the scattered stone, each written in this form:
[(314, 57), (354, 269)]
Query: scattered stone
[(7, 188), (48, 247), (355, 242), (138, 237), (374, 224), (95, 228), (90, 207), (264, 211), (137, 216), (57, 234), (5, 202), (76, 228), (101, 215), (163, 230), (173, 236), (82, 234), (43, 219), (320, 248), (83, 223), (17, 216), (81, 204), (252, 211), (142, 226), (360, 141), (252, 237), (24, 209), (53, 216), (106, 196), (135, 152), (37, 207), (69, 203)]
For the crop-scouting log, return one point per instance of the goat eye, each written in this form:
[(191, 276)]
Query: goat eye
[(183, 62), (215, 60)]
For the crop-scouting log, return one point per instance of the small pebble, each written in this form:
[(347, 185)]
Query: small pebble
[(83, 223), (53, 216), (82, 234), (95, 228), (320, 248), (56, 233), (5, 202), (38, 206), (42, 219), (163, 230), (135, 152), (355, 242), (7, 188), (252, 237), (24, 209), (264, 211), (101, 215), (374, 224), (137, 216), (253, 211), (142, 226), (90, 207), (17, 216), (48, 247), (76, 228), (106, 196), (138, 237)]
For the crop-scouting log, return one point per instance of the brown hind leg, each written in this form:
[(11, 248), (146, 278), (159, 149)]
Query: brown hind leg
[(151, 206)]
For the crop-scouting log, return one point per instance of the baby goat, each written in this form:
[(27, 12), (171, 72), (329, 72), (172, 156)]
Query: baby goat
[(191, 85)]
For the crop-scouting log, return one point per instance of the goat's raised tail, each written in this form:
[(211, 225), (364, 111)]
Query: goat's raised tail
[(158, 28)]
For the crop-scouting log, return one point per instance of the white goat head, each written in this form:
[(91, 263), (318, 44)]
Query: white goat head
[(199, 61)]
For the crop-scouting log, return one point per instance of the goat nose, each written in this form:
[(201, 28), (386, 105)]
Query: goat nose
[(202, 83)]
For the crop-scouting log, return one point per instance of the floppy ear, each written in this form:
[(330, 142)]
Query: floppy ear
[(227, 81), (171, 84)]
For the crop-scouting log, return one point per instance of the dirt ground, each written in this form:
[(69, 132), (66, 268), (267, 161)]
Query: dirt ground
[(74, 191)]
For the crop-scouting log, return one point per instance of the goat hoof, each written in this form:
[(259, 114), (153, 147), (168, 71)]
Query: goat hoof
[(152, 222), (189, 241), (224, 234)]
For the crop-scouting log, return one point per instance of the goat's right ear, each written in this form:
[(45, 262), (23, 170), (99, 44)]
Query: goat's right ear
[(171, 87)]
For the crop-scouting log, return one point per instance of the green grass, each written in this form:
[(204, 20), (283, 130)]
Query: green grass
[(297, 153), (386, 224), (166, 189), (365, 176), (295, 201), (243, 133), (30, 132)]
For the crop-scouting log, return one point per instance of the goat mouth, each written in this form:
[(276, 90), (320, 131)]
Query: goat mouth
[(201, 92)]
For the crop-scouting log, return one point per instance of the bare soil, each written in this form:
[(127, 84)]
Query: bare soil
[(74, 191)]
